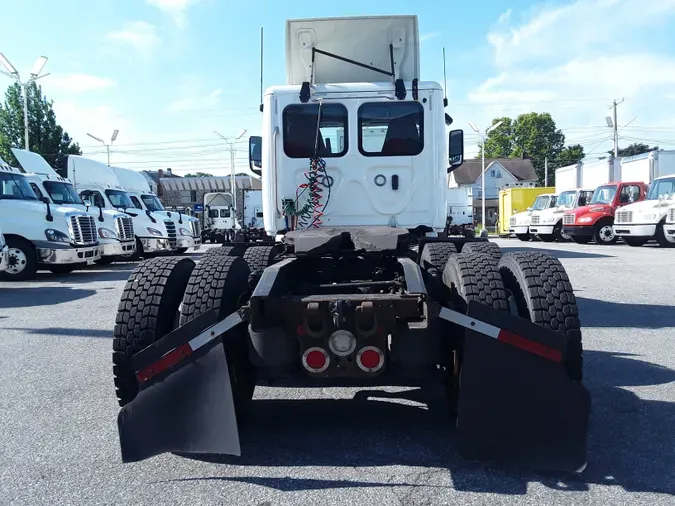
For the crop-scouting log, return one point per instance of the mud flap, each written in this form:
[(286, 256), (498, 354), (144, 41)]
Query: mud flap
[(516, 403), (186, 403)]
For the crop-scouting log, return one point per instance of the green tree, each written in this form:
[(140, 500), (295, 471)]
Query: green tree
[(199, 174), (570, 155), (637, 148), (499, 142), (45, 135)]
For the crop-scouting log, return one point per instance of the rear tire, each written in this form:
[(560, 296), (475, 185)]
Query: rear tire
[(546, 237), (148, 310), (661, 237), (259, 258), (23, 261), (487, 248), (603, 234), (636, 241), (543, 294), (523, 237), (221, 282), (435, 255)]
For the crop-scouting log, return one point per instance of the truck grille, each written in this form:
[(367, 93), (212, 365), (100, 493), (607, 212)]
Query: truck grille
[(84, 230), (171, 231), (196, 228), (125, 228), (671, 215), (534, 219), (568, 219), (624, 216)]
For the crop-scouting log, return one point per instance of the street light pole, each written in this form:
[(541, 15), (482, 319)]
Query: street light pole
[(10, 71), (482, 175), (107, 146), (233, 182)]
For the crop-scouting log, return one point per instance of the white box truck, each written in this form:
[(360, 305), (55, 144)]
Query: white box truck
[(40, 235), (97, 184), (188, 229), (115, 229), (637, 223)]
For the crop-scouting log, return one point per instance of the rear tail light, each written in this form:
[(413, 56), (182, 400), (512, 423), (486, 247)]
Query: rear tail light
[(370, 359), (315, 360)]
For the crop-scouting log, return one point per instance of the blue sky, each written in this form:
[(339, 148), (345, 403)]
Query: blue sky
[(167, 73)]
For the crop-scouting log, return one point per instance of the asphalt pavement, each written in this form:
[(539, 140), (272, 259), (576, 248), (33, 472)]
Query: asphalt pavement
[(58, 410)]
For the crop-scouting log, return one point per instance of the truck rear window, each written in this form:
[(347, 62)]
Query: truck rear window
[(300, 132), (391, 129)]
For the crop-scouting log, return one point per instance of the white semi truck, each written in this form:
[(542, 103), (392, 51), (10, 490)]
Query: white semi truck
[(219, 220), (41, 235), (115, 229), (188, 229), (459, 204), (99, 187), (637, 223), (519, 223)]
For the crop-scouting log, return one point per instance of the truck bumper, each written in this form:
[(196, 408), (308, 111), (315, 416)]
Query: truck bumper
[(633, 230), (521, 229), (541, 229), (185, 241), (578, 230), (155, 245), (115, 248), (4, 257), (669, 231), (57, 255)]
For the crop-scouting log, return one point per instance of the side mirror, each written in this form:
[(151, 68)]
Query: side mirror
[(529, 209), (255, 154), (455, 149), (45, 200)]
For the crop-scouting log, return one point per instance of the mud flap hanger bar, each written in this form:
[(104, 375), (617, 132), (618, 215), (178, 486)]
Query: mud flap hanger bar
[(398, 83), (198, 335)]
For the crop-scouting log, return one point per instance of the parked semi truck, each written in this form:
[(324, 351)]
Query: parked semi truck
[(219, 222), (517, 204), (459, 211), (115, 229), (188, 229), (41, 235), (360, 291), (99, 187), (637, 223)]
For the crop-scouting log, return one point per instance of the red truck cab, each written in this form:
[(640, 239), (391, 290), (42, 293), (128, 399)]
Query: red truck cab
[(595, 221)]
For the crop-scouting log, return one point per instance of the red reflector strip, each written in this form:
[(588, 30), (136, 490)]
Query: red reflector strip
[(168, 360), (538, 349)]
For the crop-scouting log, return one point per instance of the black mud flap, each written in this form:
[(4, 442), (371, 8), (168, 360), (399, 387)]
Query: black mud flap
[(188, 408), (516, 403)]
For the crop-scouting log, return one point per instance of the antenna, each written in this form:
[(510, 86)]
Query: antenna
[(261, 69), (445, 83)]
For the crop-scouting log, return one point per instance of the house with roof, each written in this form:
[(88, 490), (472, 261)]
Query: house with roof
[(500, 173)]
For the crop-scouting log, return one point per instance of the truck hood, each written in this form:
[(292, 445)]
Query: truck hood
[(648, 205), (33, 209), (522, 218), (596, 208)]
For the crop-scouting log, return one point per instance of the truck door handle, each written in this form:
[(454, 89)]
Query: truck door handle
[(394, 182)]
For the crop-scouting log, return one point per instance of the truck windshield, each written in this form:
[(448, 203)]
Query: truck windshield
[(603, 195), (541, 202), (566, 199), (119, 199), (16, 187), (152, 203), (62, 193), (662, 188)]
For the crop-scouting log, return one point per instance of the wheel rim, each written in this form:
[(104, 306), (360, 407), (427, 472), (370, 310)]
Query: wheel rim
[(565, 236), (17, 261), (606, 233)]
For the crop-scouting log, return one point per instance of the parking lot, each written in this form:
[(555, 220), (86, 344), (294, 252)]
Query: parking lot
[(333, 446)]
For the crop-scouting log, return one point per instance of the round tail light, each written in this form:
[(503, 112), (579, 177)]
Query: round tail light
[(315, 360), (370, 359)]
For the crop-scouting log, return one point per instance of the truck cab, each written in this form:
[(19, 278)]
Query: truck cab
[(188, 229), (41, 235), (519, 223), (548, 223), (596, 220), (219, 220), (637, 223), (98, 186), (115, 229)]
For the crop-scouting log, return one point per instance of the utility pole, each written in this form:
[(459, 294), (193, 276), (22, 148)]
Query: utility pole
[(482, 178), (107, 146), (233, 179), (615, 127), (10, 71)]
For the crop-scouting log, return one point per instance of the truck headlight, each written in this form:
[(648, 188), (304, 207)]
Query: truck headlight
[(184, 231), (106, 233), (650, 216), (585, 219), (154, 231), (56, 236)]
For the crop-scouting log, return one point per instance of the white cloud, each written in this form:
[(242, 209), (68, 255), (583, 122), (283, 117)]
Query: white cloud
[(196, 102), (140, 34), (174, 8), (79, 82), (429, 36)]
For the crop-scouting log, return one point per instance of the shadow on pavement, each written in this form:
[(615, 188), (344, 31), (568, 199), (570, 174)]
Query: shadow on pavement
[(600, 313), (17, 297), (56, 331), (630, 440), (558, 253)]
